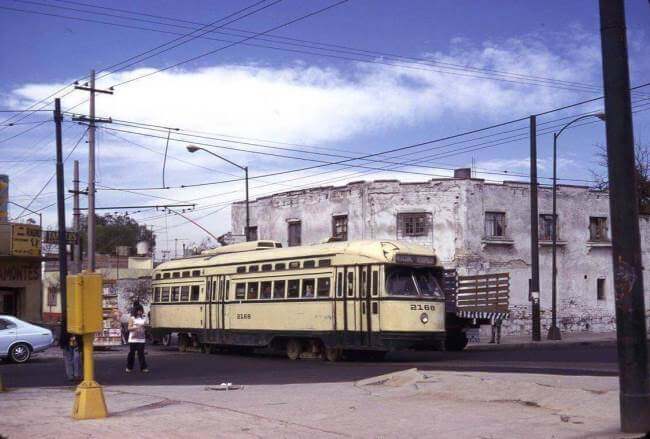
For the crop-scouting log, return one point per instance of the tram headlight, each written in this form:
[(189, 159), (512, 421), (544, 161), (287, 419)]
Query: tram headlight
[(424, 318)]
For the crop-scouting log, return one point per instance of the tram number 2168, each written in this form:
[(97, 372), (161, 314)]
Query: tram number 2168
[(243, 316), (421, 307)]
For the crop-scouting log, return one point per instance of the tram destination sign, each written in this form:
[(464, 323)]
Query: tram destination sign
[(415, 259), (52, 237)]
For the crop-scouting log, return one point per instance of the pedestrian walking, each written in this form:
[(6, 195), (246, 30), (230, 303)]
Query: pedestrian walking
[(137, 339), (71, 346), (496, 329)]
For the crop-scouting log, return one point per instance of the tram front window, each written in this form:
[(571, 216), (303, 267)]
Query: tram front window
[(408, 281)]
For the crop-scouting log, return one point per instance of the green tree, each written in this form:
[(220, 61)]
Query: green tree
[(117, 230)]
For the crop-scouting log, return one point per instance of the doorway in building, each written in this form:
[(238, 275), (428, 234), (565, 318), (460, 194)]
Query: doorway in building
[(9, 301)]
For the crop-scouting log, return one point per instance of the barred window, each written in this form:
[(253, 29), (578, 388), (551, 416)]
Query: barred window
[(546, 227), (340, 227), (414, 224), (51, 296), (495, 224), (598, 229)]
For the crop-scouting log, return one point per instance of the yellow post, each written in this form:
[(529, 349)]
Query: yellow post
[(84, 318)]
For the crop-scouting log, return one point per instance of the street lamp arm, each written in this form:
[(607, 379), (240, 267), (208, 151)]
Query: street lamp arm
[(600, 116), (194, 148)]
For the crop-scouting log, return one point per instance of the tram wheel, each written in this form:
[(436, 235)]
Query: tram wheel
[(294, 349), (455, 341), (332, 354), (183, 342)]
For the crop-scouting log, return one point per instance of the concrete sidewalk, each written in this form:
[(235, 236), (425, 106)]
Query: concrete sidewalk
[(410, 403), (525, 341)]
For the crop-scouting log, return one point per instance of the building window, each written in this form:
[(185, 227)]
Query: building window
[(546, 227), (495, 224), (600, 289), (598, 228), (295, 233), (413, 224), (251, 233), (51, 296), (340, 227)]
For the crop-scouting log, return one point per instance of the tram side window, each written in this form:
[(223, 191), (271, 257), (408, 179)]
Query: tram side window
[(214, 290), (166, 275), (294, 265), (196, 273), (186, 274), (309, 264), (158, 276), (308, 288), (195, 293), (339, 286), (375, 283), (253, 289), (323, 289), (265, 290), (176, 275), (185, 293), (175, 291), (254, 268), (164, 294), (364, 282), (281, 266), (227, 290), (293, 288), (156, 294), (267, 267), (350, 284), (240, 291), (278, 289)]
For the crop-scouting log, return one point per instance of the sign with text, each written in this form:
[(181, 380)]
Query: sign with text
[(52, 237), (25, 240)]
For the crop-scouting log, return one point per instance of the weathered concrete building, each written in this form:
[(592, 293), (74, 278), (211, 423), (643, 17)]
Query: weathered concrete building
[(474, 226)]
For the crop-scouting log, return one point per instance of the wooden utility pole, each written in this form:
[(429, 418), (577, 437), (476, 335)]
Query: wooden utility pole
[(60, 201), (624, 213), (534, 238), (76, 221), (91, 164)]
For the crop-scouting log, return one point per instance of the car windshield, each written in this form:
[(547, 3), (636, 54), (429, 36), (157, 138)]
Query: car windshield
[(409, 281)]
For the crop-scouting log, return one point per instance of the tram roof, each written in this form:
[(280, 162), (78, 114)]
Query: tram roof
[(380, 250)]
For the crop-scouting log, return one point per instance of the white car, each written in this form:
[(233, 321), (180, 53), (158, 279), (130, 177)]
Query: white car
[(19, 339)]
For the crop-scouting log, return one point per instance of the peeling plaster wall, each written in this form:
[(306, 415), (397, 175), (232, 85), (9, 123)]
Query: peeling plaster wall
[(458, 207)]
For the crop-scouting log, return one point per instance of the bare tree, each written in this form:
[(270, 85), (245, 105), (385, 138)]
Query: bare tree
[(642, 159)]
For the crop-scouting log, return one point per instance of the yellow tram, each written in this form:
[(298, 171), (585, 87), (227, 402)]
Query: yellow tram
[(370, 296)]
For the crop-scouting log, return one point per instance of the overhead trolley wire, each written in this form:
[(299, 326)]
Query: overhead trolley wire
[(538, 80)]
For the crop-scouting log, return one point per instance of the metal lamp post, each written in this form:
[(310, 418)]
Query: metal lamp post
[(193, 148), (554, 331)]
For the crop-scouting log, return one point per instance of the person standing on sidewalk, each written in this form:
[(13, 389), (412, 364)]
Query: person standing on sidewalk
[(137, 339), (71, 356)]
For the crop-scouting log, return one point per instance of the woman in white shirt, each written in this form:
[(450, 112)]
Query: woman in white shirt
[(137, 339)]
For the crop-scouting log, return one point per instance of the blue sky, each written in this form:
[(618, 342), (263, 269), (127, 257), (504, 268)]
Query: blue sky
[(325, 104)]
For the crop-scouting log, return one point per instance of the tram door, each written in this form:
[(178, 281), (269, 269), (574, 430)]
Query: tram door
[(369, 300), (207, 308)]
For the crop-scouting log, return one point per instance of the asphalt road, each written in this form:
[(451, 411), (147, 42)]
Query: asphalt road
[(170, 367)]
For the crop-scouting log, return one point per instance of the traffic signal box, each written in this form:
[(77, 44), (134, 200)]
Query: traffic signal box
[(84, 303), (84, 317)]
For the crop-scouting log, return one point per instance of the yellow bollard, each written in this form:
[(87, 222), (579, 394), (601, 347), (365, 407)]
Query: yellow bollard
[(84, 308), (89, 400)]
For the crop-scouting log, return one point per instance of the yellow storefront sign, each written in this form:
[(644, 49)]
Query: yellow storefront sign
[(25, 240)]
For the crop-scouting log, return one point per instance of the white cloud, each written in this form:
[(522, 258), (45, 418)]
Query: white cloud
[(306, 104)]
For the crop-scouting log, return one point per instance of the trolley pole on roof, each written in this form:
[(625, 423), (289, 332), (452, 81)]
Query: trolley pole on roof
[(631, 335)]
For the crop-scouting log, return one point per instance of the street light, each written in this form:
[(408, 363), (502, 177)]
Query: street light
[(554, 331), (194, 148)]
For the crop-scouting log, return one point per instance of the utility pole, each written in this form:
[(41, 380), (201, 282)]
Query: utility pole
[(534, 243), (60, 201), (631, 335), (90, 87), (76, 221)]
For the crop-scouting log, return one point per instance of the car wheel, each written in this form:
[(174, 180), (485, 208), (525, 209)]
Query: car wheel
[(20, 353)]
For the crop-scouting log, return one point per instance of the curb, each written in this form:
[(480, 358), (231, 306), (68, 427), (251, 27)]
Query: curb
[(541, 345)]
